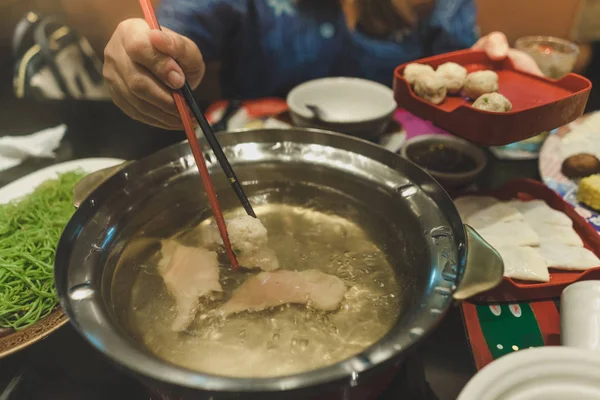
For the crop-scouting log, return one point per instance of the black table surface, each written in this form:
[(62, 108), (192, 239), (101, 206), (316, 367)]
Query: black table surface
[(64, 366)]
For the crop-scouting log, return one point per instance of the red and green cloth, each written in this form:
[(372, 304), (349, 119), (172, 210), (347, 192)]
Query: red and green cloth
[(494, 330)]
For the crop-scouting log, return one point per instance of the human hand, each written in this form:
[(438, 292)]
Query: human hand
[(496, 46), (143, 66)]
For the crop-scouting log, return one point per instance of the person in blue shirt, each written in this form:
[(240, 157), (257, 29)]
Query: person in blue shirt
[(266, 47)]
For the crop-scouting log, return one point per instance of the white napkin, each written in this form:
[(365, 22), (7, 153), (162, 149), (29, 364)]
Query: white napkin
[(15, 149)]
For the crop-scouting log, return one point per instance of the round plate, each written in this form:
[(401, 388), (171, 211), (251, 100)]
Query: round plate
[(16, 341), (551, 159), (551, 372)]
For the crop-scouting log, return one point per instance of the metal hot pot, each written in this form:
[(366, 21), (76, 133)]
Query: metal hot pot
[(438, 259)]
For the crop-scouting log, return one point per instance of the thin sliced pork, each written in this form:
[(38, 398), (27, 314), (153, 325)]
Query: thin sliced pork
[(561, 256), (468, 205), (189, 273), (494, 214), (538, 210), (556, 234), (516, 233), (524, 263), (272, 289)]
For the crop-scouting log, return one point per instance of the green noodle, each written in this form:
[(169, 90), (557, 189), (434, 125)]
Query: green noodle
[(29, 232)]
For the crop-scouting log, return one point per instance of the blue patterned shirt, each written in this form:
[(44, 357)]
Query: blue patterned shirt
[(266, 47)]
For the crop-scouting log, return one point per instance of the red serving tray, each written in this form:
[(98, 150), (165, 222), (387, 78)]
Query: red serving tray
[(539, 104), (514, 290)]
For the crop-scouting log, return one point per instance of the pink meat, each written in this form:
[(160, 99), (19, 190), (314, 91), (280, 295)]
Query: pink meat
[(271, 289), (189, 273)]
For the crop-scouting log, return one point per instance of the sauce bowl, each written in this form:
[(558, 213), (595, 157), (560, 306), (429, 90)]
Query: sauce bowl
[(426, 151)]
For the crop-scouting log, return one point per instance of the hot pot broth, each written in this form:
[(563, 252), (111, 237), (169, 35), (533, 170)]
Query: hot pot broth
[(310, 227)]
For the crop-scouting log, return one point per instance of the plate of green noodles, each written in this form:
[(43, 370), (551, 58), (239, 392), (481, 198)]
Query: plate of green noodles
[(33, 213)]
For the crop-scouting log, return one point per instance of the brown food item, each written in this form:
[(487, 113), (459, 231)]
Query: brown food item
[(580, 165)]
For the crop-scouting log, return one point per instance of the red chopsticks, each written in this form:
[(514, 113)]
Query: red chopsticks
[(150, 18)]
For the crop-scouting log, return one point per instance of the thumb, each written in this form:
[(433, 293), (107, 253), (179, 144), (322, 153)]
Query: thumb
[(182, 50)]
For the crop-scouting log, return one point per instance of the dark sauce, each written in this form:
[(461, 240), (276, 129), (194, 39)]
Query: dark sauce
[(440, 157)]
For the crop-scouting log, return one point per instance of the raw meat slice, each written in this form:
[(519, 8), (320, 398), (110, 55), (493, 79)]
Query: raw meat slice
[(249, 240), (538, 210), (524, 263), (515, 233), (561, 256), (189, 273), (556, 234), (494, 214), (467, 205), (271, 289)]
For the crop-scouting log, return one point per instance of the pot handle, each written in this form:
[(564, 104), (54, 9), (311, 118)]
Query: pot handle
[(484, 268), (90, 182)]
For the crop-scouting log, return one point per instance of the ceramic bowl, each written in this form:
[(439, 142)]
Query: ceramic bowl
[(353, 106), (449, 179), (549, 373)]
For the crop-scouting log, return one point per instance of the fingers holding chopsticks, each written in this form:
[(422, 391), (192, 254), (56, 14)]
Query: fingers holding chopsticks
[(136, 107), (184, 51), (141, 76)]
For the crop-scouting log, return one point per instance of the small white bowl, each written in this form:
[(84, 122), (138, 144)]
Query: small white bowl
[(350, 105), (450, 179)]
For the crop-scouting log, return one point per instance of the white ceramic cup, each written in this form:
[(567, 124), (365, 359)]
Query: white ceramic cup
[(580, 315)]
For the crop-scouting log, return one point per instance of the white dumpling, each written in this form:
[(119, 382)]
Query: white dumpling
[(413, 71), (479, 83), (249, 239), (454, 76), (524, 263), (430, 88), (561, 256), (493, 102)]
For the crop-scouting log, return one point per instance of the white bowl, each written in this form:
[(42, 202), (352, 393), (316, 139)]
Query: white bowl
[(450, 179), (350, 105), (541, 373)]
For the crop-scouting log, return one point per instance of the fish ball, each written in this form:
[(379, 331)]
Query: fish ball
[(480, 83), (413, 71), (454, 76), (494, 102), (431, 88)]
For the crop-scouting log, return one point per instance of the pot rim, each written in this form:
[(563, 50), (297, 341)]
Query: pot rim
[(91, 320)]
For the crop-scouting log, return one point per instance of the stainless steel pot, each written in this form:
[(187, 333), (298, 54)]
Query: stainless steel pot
[(438, 259)]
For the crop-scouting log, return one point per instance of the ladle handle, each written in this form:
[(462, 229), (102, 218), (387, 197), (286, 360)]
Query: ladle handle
[(484, 268)]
